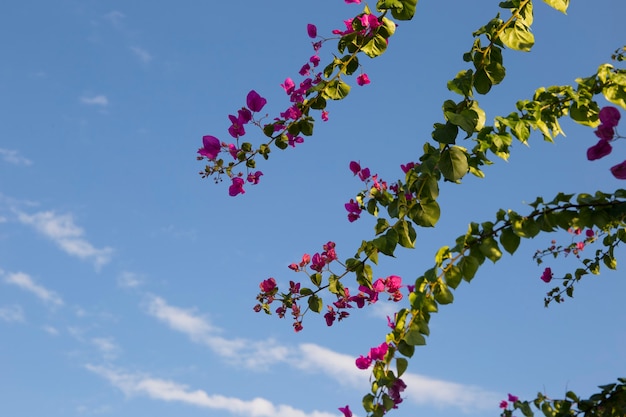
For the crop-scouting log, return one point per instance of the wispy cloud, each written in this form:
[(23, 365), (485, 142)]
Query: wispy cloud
[(142, 54), (313, 358), (13, 157), (99, 100), (61, 229), (106, 346), (26, 283), (129, 280), (51, 330), (132, 384), (12, 314), (115, 17)]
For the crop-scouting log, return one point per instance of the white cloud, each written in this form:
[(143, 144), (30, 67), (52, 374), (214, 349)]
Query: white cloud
[(129, 280), (12, 314), (142, 54), (115, 17), (26, 283), (313, 358), (69, 237), (14, 157), (106, 346), (51, 330), (99, 100), (164, 390)]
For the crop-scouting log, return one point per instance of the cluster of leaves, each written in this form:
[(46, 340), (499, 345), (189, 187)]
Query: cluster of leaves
[(411, 202), (609, 402)]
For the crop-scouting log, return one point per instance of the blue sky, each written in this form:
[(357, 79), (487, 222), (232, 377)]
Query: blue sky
[(127, 282)]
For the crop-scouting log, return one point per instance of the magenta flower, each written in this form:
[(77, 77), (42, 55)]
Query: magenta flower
[(406, 168), (317, 262), (315, 60), (605, 132), (311, 30), (236, 187), (346, 411), (354, 210), (379, 352), (589, 233), (244, 115), (547, 275), (353, 1), (599, 150), (268, 285), (254, 177), (255, 102), (609, 116), (503, 404), (355, 167), (393, 283), (619, 171), (232, 149), (513, 398), (362, 79), (236, 129), (363, 362), (211, 147), (288, 86), (305, 70), (324, 115)]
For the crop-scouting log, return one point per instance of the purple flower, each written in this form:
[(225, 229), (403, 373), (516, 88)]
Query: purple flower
[(513, 398), (236, 187), (379, 352), (546, 276), (362, 79), (363, 362), (236, 129), (346, 411), (288, 86), (254, 177), (599, 150), (211, 147), (605, 132), (609, 116), (355, 167), (255, 102), (311, 30), (619, 171)]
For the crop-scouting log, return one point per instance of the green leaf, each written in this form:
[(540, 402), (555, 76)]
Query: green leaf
[(469, 265), (414, 337), (336, 90), (400, 9), (375, 47), (387, 243), (482, 81), (509, 240), (489, 248), (401, 365), (462, 83), (560, 5), (518, 37), (445, 134), (442, 293), (406, 234), (315, 303), (442, 254), (425, 213), (453, 163), (453, 276), (381, 226), (466, 120)]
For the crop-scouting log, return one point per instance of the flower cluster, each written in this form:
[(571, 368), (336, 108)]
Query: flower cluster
[(504, 405), (212, 146), (376, 353), (606, 131), (353, 207), (574, 247)]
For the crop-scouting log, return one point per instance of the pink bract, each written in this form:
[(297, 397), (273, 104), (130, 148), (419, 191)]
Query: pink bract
[(619, 171), (599, 150), (609, 116), (211, 147), (255, 102)]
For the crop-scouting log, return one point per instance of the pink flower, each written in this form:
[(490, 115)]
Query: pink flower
[(362, 79), (379, 352), (311, 30), (547, 275), (232, 149), (363, 362), (406, 168), (236, 187), (288, 86), (346, 410), (236, 129), (599, 150), (255, 102), (393, 283), (354, 210), (513, 398), (315, 60), (211, 147), (619, 171), (324, 115), (609, 116), (254, 177), (353, 1), (318, 262), (268, 285), (589, 233), (355, 167), (503, 404)]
